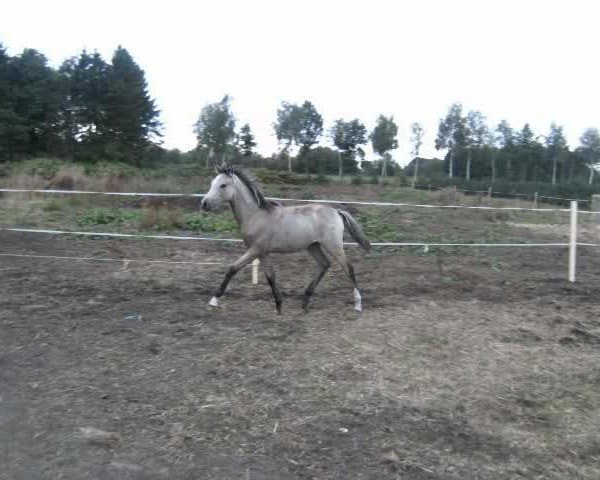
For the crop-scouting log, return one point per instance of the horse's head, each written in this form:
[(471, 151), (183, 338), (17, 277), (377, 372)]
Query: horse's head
[(221, 192)]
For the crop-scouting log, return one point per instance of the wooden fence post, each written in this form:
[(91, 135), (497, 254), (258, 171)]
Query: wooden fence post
[(255, 265), (573, 242)]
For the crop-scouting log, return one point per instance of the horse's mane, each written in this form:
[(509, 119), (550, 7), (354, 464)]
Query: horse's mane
[(250, 184)]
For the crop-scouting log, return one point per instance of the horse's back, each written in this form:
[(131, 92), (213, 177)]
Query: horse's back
[(297, 227)]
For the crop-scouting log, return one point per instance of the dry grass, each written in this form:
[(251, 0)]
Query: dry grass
[(161, 217)]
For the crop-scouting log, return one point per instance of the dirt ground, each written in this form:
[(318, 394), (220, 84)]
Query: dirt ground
[(475, 366)]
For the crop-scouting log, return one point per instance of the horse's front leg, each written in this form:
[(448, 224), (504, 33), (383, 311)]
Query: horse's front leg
[(231, 271), (270, 274)]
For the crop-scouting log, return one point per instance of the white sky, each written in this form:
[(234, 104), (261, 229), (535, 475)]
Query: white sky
[(524, 60)]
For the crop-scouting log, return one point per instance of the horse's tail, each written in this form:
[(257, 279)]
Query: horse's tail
[(355, 230)]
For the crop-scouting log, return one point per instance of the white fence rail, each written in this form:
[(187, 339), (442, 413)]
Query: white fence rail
[(281, 199)]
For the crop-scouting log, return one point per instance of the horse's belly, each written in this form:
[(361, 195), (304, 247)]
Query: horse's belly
[(293, 239)]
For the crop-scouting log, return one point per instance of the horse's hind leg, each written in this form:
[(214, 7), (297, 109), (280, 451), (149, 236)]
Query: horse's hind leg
[(338, 255), (323, 264), (270, 274)]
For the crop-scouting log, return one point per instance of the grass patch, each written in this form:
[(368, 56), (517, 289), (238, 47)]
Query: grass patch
[(106, 216), (54, 205), (210, 222), (377, 229)]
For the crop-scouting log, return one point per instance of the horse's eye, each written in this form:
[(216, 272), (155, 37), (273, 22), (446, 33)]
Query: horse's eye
[(223, 185)]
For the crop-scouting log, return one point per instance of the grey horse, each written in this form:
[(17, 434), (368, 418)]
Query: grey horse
[(267, 227)]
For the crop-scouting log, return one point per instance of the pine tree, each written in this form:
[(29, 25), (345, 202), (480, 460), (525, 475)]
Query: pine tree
[(557, 146), (12, 127), (85, 80), (590, 149), (246, 140), (29, 116), (131, 115)]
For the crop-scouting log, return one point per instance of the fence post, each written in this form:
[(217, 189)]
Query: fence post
[(573, 242), (255, 264), (595, 206), (490, 194), (535, 200)]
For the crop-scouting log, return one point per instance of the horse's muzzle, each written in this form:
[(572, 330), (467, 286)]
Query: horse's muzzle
[(204, 205)]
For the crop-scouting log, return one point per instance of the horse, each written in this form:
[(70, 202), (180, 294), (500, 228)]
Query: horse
[(268, 227)]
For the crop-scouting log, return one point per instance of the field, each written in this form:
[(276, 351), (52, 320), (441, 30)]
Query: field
[(466, 363)]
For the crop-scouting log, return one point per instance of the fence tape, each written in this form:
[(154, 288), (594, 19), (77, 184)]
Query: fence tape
[(299, 200), (103, 259), (238, 240)]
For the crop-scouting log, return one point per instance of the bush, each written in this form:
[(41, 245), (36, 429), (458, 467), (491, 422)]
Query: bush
[(44, 167), (279, 178), (447, 196), (114, 169), (357, 180), (161, 218)]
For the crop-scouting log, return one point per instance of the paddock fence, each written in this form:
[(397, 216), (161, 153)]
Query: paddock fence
[(572, 241)]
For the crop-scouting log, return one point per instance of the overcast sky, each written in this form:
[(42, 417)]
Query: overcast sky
[(526, 60)]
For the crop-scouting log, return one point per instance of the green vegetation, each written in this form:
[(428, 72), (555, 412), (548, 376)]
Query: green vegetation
[(105, 216), (204, 222)]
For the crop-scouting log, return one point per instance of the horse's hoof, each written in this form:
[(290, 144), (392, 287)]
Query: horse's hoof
[(214, 302), (357, 300), (305, 304)]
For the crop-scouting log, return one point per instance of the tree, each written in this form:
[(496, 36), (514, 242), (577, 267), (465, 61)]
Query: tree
[(84, 111), (310, 128), (556, 144), (477, 132), (246, 140), (29, 122), (347, 136), (525, 144), (132, 123), (590, 150), (215, 128), (506, 140), (13, 129), (287, 127), (452, 133), (383, 139), (416, 139)]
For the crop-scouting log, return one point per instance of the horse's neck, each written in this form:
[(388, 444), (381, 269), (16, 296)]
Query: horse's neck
[(244, 206)]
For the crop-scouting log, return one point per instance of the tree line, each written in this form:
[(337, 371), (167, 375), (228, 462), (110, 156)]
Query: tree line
[(475, 150), (299, 126), (89, 109)]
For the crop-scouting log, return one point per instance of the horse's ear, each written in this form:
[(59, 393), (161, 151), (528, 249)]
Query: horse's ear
[(216, 169)]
